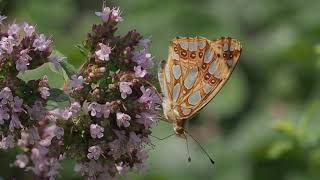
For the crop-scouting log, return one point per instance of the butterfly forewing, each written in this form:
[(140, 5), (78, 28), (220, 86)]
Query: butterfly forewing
[(195, 71)]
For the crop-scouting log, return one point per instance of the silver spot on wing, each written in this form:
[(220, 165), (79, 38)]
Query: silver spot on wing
[(207, 88), (191, 78), (184, 45), (225, 47), (194, 98), (201, 44), (176, 92), (208, 55), (176, 71), (193, 46), (185, 110), (212, 68)]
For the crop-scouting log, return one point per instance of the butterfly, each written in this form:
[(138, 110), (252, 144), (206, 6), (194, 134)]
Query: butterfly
[(193, 74)]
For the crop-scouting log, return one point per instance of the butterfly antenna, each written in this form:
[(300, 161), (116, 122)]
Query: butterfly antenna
[(160, 139), (189, 157), (201, 147)]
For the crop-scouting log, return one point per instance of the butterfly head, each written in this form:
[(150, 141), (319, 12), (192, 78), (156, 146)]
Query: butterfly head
[(179, 130)]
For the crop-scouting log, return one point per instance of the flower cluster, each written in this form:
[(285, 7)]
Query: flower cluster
[(118, 104), (109, 104), (24, 120)]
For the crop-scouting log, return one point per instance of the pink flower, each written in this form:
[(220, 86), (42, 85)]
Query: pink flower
[(21, 160), (145, 43), (7, 44), (64, 114), (122, 169), (28, 137), (125, 89), (37, 112), (95, 108), (5, 95), (104, 52), (96, 131), (16, 104), (76, 82), (118, 146), (3, 114), (41, 43), (13, 29), (149, 98), (105, 14), (146, 119), (75, 107), (134, 142), (139, 72), (23, 61), (15, 122), (123, 119), (116, 15), (44, 91), (106, 109), (28, 29), (94, 152), (143, 58), (7, 142)]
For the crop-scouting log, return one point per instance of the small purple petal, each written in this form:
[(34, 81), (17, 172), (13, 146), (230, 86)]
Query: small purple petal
[(76, 82), (96, 131), (123, 119), (104, 52), (94, 152), (41, 43)]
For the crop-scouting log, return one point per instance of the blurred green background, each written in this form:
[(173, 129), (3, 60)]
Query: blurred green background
[(263, 125)]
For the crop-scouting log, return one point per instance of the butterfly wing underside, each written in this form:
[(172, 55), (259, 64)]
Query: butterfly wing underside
[(195, 72)]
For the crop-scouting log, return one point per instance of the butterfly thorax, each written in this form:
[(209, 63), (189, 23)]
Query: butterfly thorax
[(172, 116)]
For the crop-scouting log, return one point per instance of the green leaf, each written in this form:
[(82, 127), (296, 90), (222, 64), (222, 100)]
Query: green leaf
[(82, 50), (55, 78), (58, 95), (279, 148), (285, 127), (68, 68)]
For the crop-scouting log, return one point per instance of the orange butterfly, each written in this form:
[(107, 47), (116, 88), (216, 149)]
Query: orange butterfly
[(194, 73)]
